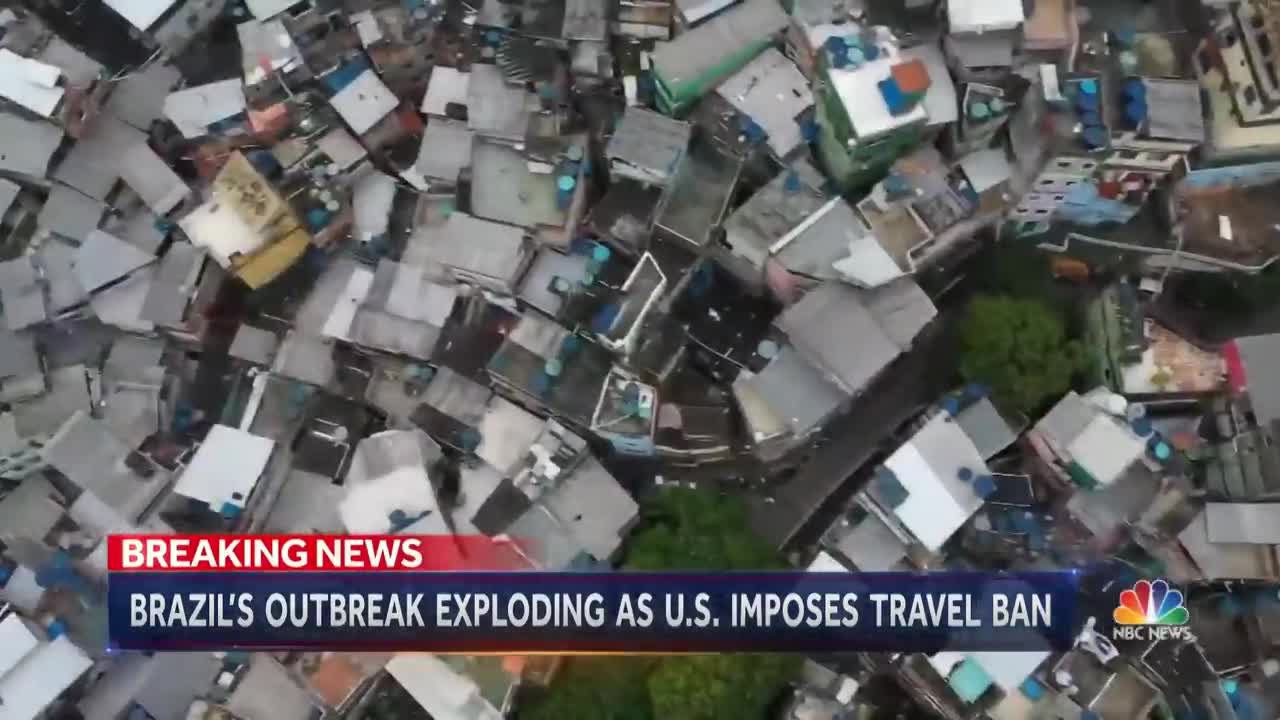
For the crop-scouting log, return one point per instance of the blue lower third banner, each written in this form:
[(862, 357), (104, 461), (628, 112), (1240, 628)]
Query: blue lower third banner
[(527, 612)]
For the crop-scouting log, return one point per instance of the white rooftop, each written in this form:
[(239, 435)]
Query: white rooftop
[(824, 562), (976, 16), (225, 468), (29, 83), (446, 85), (221, 231), (142, 14), (868, 264), (194, 109), (364, 102), (938, 502), (16, 640), (1006, 669), (859, 92), (40, 678), (1106, 448)]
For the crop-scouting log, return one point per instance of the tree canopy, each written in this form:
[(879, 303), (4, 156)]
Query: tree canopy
[(681, 529), (1019, 349)]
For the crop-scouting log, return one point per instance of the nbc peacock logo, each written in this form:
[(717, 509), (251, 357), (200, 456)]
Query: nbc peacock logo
[(1151, 610)]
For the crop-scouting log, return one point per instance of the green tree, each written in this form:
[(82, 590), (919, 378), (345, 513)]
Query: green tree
[(686, 529), (596, 688), (681, 529), (1019, 349), (719, 687)]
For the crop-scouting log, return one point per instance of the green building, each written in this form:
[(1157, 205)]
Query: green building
[(874, 103), (693, 64)]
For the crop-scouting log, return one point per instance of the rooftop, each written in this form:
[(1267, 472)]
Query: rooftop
[(647, 147), (929, 467), (773, 92)]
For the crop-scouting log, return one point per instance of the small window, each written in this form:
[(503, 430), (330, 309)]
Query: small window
[(1041, 211), (1128, 155), (1046, 182), (1089, 166), (1064, 163), (1250, 95)]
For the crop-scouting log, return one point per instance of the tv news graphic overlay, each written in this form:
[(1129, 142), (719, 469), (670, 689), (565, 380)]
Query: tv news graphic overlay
[(1151, 610), (396, 593)]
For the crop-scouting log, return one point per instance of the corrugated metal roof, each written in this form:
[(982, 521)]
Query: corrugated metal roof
[(902, 308), (794, 392), (475, 245), (495, 107), (687, 59), (104, 258), (773, 92), (647, 146), (833, 328), (166, 302), (27, 146), (445, 149), (1255, 523), (1260, 354), (595, 509), (70, 213)]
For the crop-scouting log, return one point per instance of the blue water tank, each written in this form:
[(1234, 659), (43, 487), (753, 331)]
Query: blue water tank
[(553, 367), (984, 486), (965, 474), (1141, 426), (1086, 102), (1135, 111), (56, 629), (541, 384), (951, 405), (897, 102), (604, 317), (1095, 137), (601, 253), (470, 439), (317, 219), (792, 183), (871, 51), (809, 131), (839, 60), (836, 44)]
